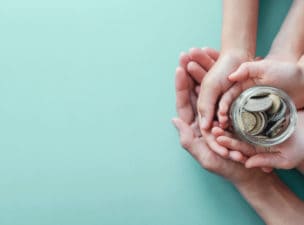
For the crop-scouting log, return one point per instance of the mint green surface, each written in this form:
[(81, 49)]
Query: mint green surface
[(86, 98)]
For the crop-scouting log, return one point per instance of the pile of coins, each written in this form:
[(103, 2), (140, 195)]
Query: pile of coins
[(264, 115)]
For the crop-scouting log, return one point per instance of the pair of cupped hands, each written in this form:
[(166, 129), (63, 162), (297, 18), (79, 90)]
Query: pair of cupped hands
[(207, 82)]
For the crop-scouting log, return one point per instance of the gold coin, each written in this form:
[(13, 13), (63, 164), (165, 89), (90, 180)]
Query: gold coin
[(276, 103)]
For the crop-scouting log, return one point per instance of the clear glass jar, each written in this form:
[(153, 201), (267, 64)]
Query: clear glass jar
[(270, 135)]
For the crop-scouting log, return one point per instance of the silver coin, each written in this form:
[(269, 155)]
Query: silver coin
[(260, 124), (280, 114), (258, 104), (276, 128), (260, 94)]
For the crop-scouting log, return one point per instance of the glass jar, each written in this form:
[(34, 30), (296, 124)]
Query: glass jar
[(263, 116)]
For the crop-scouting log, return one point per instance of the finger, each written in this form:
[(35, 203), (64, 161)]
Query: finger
[(195, 127), (236, 145), (225, 102), (274, 160), (206, 103), (196, 71), (184, 59), (237, 156), (183, 102), (217, 131), (201, 57), (185, 133), (228, 98), (224, 121), (214, 146), (247, 70), (267, 169), (213, 54)]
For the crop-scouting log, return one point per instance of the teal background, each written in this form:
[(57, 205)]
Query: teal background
[(86, 98)]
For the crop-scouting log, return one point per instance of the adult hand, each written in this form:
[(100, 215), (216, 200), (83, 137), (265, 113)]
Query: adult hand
[(279, 204), (195, 144)]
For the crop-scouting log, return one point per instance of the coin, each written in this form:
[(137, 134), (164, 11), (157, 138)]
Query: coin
[(276, 128), (260, 94), (281, 113), (260, 123), (248, 121), (276, 103), (262, 116), (258, 104), (261, 137)]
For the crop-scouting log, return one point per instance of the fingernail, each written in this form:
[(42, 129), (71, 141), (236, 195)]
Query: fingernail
[(204, 122), (231, 76)]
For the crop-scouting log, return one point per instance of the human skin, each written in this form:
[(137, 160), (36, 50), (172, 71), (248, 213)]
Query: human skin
[(286, 155), (204, 60), (290, 39), (271, 199), (238, 46), (287, 76), (281, 67), (290, 153)]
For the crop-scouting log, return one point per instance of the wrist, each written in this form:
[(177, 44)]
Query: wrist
[(279, 54), (237, 53), (272, 200), (256, 179)]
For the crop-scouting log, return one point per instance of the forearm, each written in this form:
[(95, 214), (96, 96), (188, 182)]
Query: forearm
[(240, 27), (273, 201), (289, 42)]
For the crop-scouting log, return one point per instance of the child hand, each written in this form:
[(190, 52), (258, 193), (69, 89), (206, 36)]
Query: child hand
[(283, 75), (287, 155)]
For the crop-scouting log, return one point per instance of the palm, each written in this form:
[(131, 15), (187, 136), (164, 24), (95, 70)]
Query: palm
[(191, 138)]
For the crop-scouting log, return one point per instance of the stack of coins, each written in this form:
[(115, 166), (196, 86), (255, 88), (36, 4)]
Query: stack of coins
[(264, 115)]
